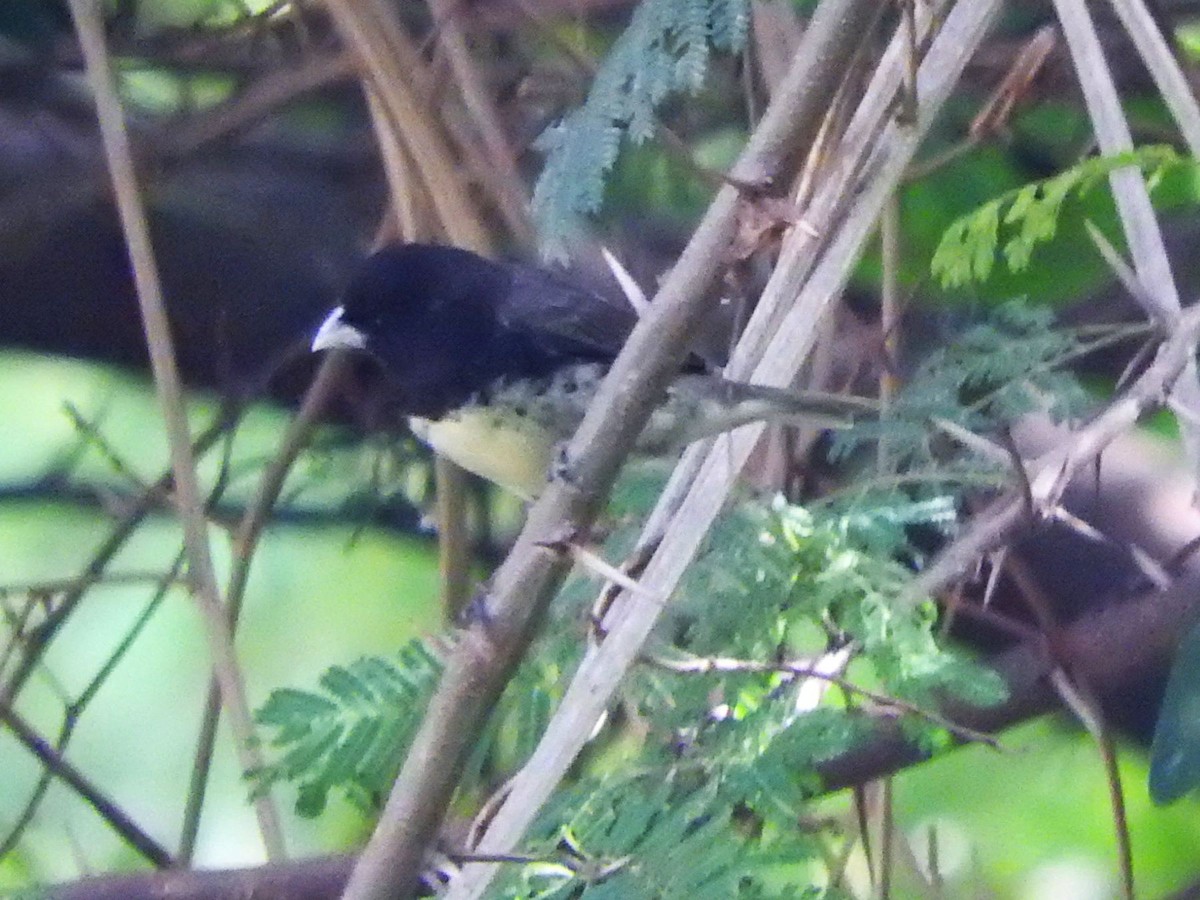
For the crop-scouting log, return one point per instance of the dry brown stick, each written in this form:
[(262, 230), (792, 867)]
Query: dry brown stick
[(384, 53), (1079, 699), (201, 575), (1131, 195), (1111, 650), (305, 879), (42, 203), (249, 106), (408, 210), (1074, 690), (490, 648), (454, 538), (372, 33), (512, 199)]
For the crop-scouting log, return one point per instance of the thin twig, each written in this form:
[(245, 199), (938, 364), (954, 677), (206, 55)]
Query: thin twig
[(60, 768), (701, 665), (1052, 471), (74, 710), (61, 585), (249, 106), (512, 198), (454, 537), (370, 29), (93, 437), (90, 31), (1080, 701), (1163, 66), (887, 838), (93, 572), (606, 570), (254, 520), (1159, 292), (890, 257)]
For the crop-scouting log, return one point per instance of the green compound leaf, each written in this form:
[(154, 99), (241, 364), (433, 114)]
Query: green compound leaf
[(1019, 220), (1175, 753)]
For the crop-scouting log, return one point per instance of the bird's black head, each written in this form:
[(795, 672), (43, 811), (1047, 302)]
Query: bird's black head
[(420, 287), (438, 320), (425, 313)]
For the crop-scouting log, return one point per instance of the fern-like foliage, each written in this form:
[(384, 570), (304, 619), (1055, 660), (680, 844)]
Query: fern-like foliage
[(352, 734), (995, 372), (814, 576), (709, 800), (644, 835), (1019, 220), (665, 50), (696, 787)]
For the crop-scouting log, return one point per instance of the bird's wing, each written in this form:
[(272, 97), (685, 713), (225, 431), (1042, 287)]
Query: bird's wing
[(563, 318)]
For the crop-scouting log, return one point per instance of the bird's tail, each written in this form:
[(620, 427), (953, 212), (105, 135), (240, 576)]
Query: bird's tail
[(717, 405)]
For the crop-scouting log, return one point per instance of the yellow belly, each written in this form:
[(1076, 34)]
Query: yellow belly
[(515, 456)]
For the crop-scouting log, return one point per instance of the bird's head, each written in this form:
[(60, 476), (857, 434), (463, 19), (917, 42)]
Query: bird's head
[(422, 312)]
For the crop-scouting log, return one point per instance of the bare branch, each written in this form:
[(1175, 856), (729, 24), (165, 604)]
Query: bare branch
[(253, 522), (60, 768), (1050, 473), (1159, 294)]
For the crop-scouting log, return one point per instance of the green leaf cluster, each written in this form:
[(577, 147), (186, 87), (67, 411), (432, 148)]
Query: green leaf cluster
[(664, 51), (717, 765), (807, 580), (645, 836), (1005, 367), (729, 756), (1017, 221), (352, 734)]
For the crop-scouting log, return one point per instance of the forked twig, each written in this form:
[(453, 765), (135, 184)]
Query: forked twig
[(254, 520)]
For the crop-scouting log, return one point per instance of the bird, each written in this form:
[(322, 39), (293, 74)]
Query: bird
[(495, 363)]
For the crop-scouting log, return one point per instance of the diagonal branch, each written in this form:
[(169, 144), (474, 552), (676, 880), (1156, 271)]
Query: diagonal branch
[(889, 148), (1159, 296), (1051, 472), (60, 768), (490, 648), (254, 520)]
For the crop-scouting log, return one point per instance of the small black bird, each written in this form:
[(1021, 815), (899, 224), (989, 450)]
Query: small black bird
[(496, 363)]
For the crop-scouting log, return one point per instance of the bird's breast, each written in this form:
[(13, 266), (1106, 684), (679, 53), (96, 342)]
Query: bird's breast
[(508, 433), (514, 454)]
